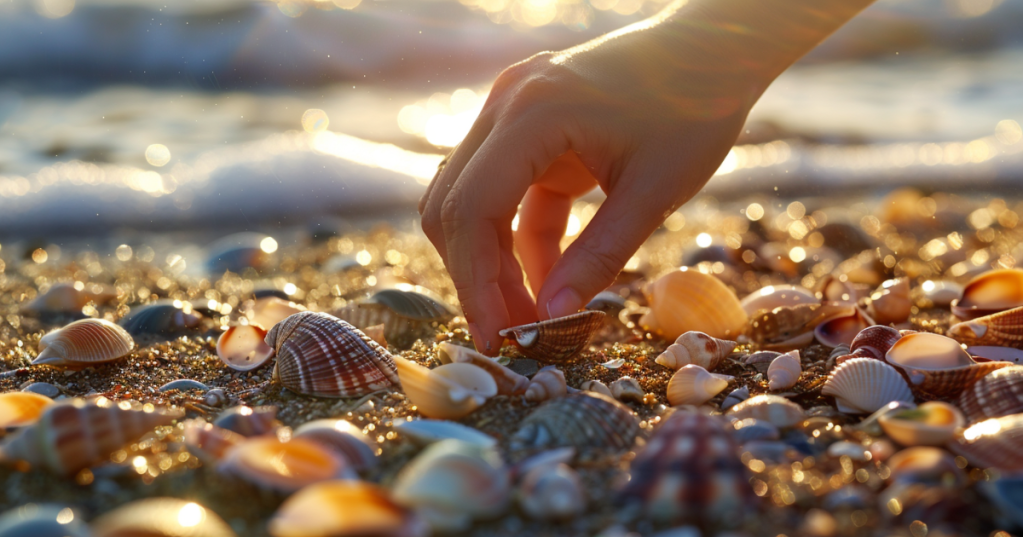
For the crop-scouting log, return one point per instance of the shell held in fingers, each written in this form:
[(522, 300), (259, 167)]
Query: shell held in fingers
[(784, 371), (161, 517), (284, 466), (337, 508), (84, 343), (1003, 329), (696, 348), (450, 391), (995, 395), (773, 409), (863, 385), (556, 341), (993, 443), (693, 385), (243, 348), (18, 409), (164, 317), (343, 438), (989, 293), (508, 381), (687, 300), (547, 383), (580, 419)]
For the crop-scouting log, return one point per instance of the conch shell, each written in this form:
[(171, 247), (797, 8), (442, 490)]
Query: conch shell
[(450, 391), (84, 343), (693, 385), (547, 383), (784, 371), (990, 293), (696, 348), (688, 300)]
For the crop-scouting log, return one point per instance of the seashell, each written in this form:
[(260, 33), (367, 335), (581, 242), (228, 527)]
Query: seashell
[(777, 296), (556, 341), (1003, 329), (923, 464), (581, 420), (608, 302), (508, 381), (863, 385), (161, 517), (750, 429), (552, 493), (613, 364), (343, 438), (841, 351), (42, 388), (321, 355), (33, 520), (938, 294), (627, 389), (996, 354), (990, 293), (761, 360), (548, 383), (450, 391), (425, 432), (451, 483), (249, 421), (937, 366), (890, 303), (596, 386), (995, 395), (843, 329), (693, 385), (18, 409), (931, 424), (207, 441), (696, 348), (852, 450), (344, 508), (838, 289), (874, 342), (376, 333), (735, 397), (65, 298), (872, 426), (784, 371), (270, 310), (163, 317), (216, 397), (184, 385), (785, 329), (242, 348), (993, 443), (284, 466), (773, 409), (544, 459), (407, 313), (84, 343), (239, 251), (688, 300), (690, 472), (76, 434)]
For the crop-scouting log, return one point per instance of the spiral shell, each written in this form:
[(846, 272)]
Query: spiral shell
[(627, 389), (990, 293), (249, 421), (508, 381), (243, 348), (874, 341), (450, 391), (407, 313), (556, 341), (773, 409), (321, 355), (993, 443), (777, 296), (164, 318), (784, 371), (343, 438), (696, 348), (863, 385), (207, 441), (552, 493), (336, 508), (693, 385), (842, 329), (936, 366), (596, 386), (161, 517), (284, 466), (931, 424), (581, 420), (18, 409), (270, 310), (789, 328), (1003, 329), (84, 343), (995, 395), (890, 303), (547, 383), (688, 300)]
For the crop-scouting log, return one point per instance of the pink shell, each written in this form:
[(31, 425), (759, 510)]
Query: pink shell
[(874, 341), (995, 395), (993, 443)]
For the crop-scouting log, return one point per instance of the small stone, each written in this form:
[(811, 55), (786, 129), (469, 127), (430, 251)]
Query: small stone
[(42, 388)]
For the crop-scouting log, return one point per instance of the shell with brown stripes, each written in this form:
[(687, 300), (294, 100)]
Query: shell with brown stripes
[(319, 354), (84, 343)]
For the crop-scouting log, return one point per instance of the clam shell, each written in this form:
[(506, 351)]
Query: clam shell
[(32, 520), (736, 396), (784, 371), (627, 389), (890, 303), (508, 381), (161, 517), (776, 296), (343, 438), (243, 347), (761, 360), (995, 395), (18, 409), (693, 385), (989, 293), (875, 341), (407, 313), (450, 391), (773, 409), (993, 443), (270, 310), (552, 493), (237, 252), (164, 317), (64, 298), (596, 386), (207, 441), (863, 385), (337, 508), (996, 354), (547, 383), (931, 424), (688, 300), (581, 420), (936, 366), (76, 434), (184, 385), (1003, 329), (83, 343), (696, 348), (321, 355), (425, 432), (249, 421), (556, 341), (923, 464), (790, 328), (284, 466), (836, 331)]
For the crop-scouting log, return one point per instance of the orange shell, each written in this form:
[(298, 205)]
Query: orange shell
[(344, 508), (18, 409), (162, 517), (83, 343), (685, 300), (989, 293), (284, 466), (556, 341)]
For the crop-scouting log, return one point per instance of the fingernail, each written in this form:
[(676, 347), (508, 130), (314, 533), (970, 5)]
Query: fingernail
[(566, 302), (477, 336)]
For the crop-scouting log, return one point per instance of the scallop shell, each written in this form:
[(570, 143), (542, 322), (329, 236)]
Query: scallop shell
[(321, 355), (284, 466), (270, 310), (243, 347), (843, 329), (407, 313), (84, 343), (547, 383), (556, 341), (773, 409), (993, 443), (735, 397), (937, 367), (696, 348), (249, 421), (995, 395), (693, 385), (863, 385), (784, 371), (161, 517), (337, 508), (989, 293), (343, 438), (776, 296), (76, 434), (18, 409), (890, 303), (874, 341), (785, 329), (450, 391), (596, 386), (164, 317), (64, 298), (552, 493), (688, 300), (627, 389), (508, 381), (1003, 329), (690, 472), (33, 520), (761, 360), (581, 420), (996, 354), (426, 432), (207, 441), (931, 424)]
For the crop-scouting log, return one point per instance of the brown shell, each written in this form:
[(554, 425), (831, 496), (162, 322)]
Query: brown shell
[(1003, 329), (319, 354), (556, 341), (789, 328), (249, 421), (990, 293), (948, 383), (993, 443), (83, 343), (874, 341), (690, 472), (997, 394), (581, 420), (406, 315)]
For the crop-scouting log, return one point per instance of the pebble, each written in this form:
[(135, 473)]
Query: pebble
[(42, 388)]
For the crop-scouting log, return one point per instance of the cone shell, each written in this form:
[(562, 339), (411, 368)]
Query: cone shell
[(207, 441), (890, 303), (18, 409), (931, 424), (161, 517), (337, 508), (556, 341), (842, 330), (1004, 329), (552, 493), (693, 385), (164, 317), (937, 367), (789, 328), (284, 466), (863, 385), (547, 383), (995, 395), (73, 435), (270, 310), (773, 409), (776, 296), (508, 381), (993, 443), (321, 355), (874, 341), (627, 389), (84, 343), (784, 371), (688, 300), (249, 421), (989, 293), (696, 348), (243, 347), (450, 391), (582, 420)]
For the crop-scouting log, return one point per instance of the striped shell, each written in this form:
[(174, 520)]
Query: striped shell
[(319, 354), (690, 472), (343, 438), (784, 371), (556, 341), (685, 300), (1004, 329), (693, 385), (18, 409), (696, 348), (161, 517), (789, 328), (773, 409), (547, 383), (243, 347), (284, 466), (73, 435), (993, 443), (936, 366), (407, 314), (84, 343), (337, 508), (164, 317), (777, 296), (990, 293), (580, 419), (995, 395), (863, 385), (874, 341), (842, 329), (508, 381), (249, 421)]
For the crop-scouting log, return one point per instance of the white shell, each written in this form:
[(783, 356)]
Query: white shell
[(931, 424), (927, 351), (627, 389), (508, 381), (552, 493), (863, 385), (547, 383), (243, 348), (696, 348), (83, 343), (693, 385), (596, 386), (426, 432), (784, 371), (450, 391)]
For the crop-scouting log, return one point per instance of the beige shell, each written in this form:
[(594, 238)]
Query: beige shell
[(18, 409), (450, 391), (890, 303), (696, 348), (585, 420), (161, 517), (508, 381), (627, 389), (376, 333), (270, 310), (995, 395), (207, 441), (84, 343), (937, 366), (989, 293), (1003, 329), (842, 329), (776, 296), (243, 348), (547, 383), (931, 424), (556, 341), (784, 371), (688, 300), (343, 438), (693, 385), (552, 493), (774, 409), (993, 443), (596, 386), (789, 328), (863, 385), (340, 508), (284, 466)]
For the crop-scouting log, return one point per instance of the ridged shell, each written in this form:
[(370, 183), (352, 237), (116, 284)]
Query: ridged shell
[(407, 314), (547, 383), (164, 317), (83, 343), (996, 354), (284, 466), (937, 367), (596, 386), (784, 371), (785, 329), (73, 435), (343, 438), (773, 409), (696, 348), (344, 508), (890, 303), (863, 385), (875, 341), (931, 424), (207, 441), (761, 360), (735, 397), (776, 296), (18, 409), (843, 329), (993, 443), (1003, 329), (243, 348), (426, 432), (989, 293), (627, 389), (582, 420), (556, 341), (249, 421), (63, 298), (508, 381), (450, 391), (319, 354), (995, 395), (34, 520), (552, 493), (688, 300), (693, 385), (690, 472), (161, 517)]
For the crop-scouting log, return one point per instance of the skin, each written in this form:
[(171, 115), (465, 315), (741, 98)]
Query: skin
[(646, 113)]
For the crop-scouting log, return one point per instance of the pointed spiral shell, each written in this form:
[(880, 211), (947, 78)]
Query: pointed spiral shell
[(693, 385), (784, 371), (696, 348), (547, 383)]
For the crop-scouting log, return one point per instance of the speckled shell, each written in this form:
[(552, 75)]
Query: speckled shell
[(405, 313), (690, 472), (936, 366), (776, 296), (993, 443), (552, 493), (773, 409), (784, 371), (243, 347), (693, 385), (249, 421), (995, 395), (161, 517), (343, 438), (319, 354), (685, 300), (874, 341), (580, 419), (863, 385), (843, 329), (890, 303), (207, 441), (696, 348), (989, 293), (789, 328), (1003, 329), (556, 341), (73, 435), (508, 381), (340, 508), (284, 466), (84, 343), (18, 409), (547, 383), (161, 318)]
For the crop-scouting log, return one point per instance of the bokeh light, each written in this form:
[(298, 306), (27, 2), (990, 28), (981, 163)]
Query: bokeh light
[(190, 515), (315, 120), (443, 119), (268, 245), (1008, 132), (158, 155), (54, 9)]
